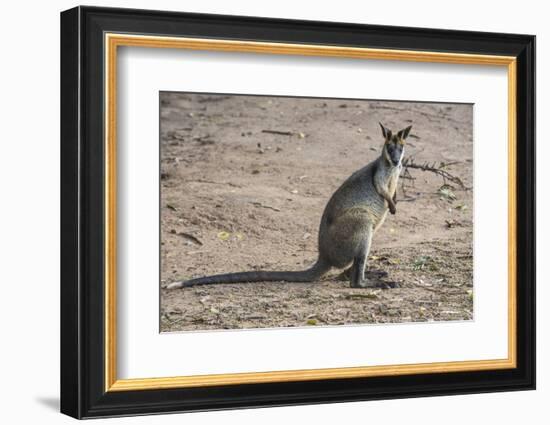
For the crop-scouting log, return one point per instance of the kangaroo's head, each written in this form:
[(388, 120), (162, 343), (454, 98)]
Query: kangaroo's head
[(394, 145)]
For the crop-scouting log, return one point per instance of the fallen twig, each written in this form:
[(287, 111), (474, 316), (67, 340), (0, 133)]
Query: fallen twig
[(281, 133), (408, 199), (408, 163), (260, 205), (213, 182), (212, 99), (197, 252), (406, 175), (191, 238), (453, 223)]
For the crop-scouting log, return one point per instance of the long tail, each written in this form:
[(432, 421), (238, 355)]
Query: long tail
[(309, 275)]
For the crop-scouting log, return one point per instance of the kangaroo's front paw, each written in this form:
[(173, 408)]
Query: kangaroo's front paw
[(392, 208)]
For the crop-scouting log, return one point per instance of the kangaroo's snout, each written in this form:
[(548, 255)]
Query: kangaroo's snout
[(395, 160)]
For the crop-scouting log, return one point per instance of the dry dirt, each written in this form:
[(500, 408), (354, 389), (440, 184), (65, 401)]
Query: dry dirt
[(235, 198)]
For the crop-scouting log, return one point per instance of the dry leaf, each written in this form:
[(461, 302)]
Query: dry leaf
[(446, 193), (224, 236)]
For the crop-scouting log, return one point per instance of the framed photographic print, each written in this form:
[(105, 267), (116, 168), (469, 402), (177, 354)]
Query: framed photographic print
[(261, 212)]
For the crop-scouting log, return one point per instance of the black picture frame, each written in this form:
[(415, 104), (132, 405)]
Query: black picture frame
[(83, 392)]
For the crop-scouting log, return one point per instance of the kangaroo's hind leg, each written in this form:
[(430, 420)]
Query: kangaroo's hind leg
[(358, 275), (357, 278)]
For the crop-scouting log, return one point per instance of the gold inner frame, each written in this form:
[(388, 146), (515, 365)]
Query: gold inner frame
[(113, 41)]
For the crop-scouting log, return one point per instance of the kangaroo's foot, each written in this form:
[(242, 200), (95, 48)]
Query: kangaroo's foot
[(387, 285), (374, 283), (345, 276), (364, 283)]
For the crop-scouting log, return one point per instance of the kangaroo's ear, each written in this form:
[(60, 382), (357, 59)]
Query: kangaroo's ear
[(385, 132), (403, 134)]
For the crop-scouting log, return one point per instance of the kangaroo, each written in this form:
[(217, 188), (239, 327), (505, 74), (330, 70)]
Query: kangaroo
[(351, 218)]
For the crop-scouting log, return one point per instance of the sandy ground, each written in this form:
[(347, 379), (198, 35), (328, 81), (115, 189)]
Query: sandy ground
[(235, 198)]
